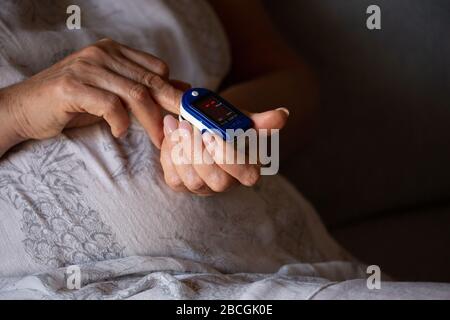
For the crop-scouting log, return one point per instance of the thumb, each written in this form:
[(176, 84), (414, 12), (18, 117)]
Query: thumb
[(273, 119), (83, 120)]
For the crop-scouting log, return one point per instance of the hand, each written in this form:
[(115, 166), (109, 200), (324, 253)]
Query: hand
[(102, 81), (212, 175)]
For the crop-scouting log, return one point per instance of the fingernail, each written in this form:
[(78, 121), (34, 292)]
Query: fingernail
[(170, 125), (284, 110), (186, 128)]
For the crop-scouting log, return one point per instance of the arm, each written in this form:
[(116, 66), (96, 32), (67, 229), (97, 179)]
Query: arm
[(256, 47), (266, 72)]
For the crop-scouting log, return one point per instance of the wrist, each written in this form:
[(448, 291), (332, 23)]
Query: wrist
[(9, 136)]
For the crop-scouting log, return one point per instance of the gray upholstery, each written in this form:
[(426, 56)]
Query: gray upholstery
[(383, 148)]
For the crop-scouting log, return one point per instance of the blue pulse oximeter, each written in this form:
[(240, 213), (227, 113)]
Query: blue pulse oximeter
[(207, 111)]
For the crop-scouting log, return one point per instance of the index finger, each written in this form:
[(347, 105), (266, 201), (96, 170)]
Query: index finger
[(164, 93)]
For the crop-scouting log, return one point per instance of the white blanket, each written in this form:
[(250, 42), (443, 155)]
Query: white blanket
[(167, 278), (85, 197)]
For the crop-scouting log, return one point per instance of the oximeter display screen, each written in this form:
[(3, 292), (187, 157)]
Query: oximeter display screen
[(215, 110)]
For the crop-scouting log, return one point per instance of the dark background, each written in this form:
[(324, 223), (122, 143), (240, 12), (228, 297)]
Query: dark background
[(378, 170)]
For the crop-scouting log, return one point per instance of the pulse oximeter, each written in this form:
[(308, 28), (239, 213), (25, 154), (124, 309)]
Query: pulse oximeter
[(207, 111)]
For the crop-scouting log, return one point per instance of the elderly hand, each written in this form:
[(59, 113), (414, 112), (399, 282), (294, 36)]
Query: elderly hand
[(105, 80), (212, 175)]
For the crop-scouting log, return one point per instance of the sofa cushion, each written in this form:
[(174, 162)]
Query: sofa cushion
[(384, 137)]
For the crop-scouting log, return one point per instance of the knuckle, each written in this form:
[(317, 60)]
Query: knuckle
[(195, 184), (114, 101), (173, 181), (147, 78), (66, 84), (92, 52), (106, 41), (218, 182), (139, 93), (251, 177), (161, 68), (113, 106), (154, 81), (79, 64)]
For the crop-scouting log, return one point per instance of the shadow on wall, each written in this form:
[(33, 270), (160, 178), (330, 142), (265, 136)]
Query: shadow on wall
[(383, 146)]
